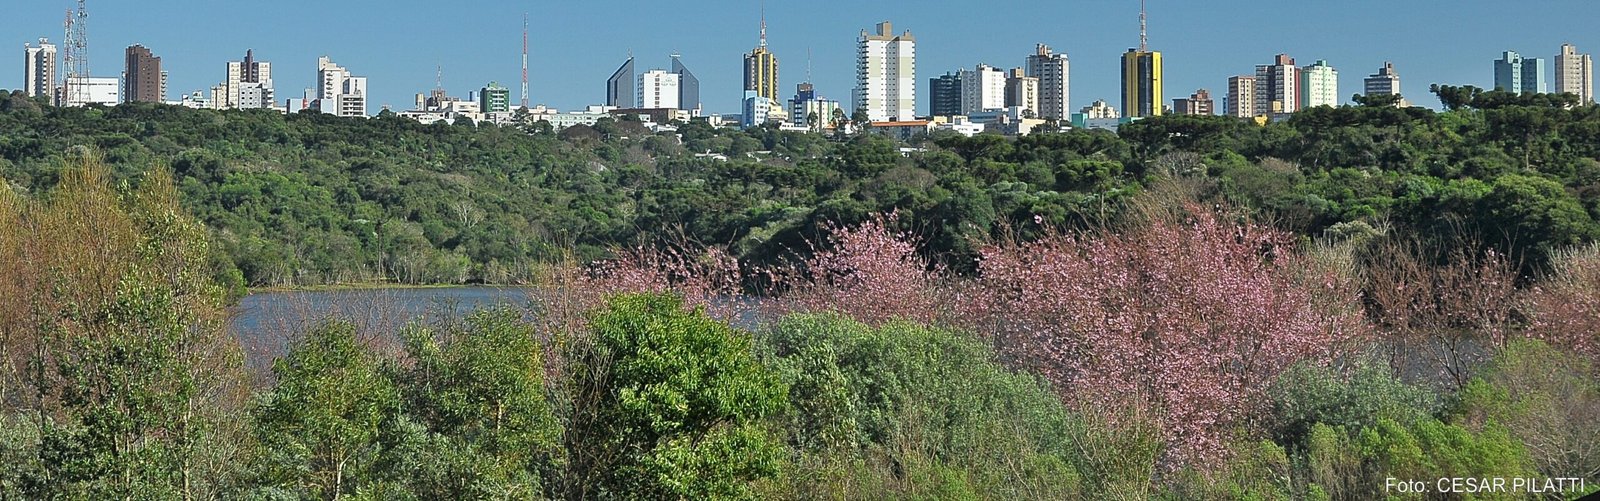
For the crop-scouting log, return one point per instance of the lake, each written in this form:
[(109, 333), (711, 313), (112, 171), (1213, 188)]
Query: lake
[(265, 321)]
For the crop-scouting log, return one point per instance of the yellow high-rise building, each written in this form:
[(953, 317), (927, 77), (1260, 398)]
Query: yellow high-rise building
[(761, 69), (1141, 83)]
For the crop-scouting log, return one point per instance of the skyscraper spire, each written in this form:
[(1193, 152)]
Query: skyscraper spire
[(763, 24), (1144, 37)]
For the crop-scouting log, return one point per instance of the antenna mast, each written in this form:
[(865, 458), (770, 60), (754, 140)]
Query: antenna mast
[(1144, 37), (77, 57), (524, 60), (763, 24)]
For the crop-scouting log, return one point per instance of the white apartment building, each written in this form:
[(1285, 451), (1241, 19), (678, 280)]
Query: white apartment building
[(886, 74), (1319, 85), (1574, 74), (658, 89), (982, 89), (1053, 72), (39, 76), (339, 92), (1241, 99)]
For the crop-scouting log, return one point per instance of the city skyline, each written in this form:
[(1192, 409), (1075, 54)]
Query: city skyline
[(1200, 45)]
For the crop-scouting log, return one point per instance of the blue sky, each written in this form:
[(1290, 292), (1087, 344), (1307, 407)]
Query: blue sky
[(575, 45)]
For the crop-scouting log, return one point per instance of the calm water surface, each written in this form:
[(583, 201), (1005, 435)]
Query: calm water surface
[(264, 322)]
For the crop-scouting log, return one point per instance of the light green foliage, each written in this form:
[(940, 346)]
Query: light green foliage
[(667, 403), (478, 386), (320, 426), (908, 411), (1357, 396), (1546, 399)]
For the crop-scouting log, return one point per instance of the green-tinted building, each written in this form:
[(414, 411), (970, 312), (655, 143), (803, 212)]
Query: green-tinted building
[(494, 99)]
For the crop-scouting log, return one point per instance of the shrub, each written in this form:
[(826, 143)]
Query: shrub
[(1547, 399), (667, 403), (907, 411)]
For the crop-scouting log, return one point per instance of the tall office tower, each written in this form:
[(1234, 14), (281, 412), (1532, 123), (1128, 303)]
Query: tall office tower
[(338, 92), (886, 74), (1023, 91), (688, 86), (141, 78), (983, 89), (1386, 82), (249, 84), (761, 68), (493, 98), (1277, 86), (945, 94), (39, 75), (1052, 70), (1575, 74), (1241, 99), (1516, 74), (619, 88), (1319, 85), (658, 89), (1199, 103), (1141, 77)]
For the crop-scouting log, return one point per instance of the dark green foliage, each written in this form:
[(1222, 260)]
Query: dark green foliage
[(667, 403)]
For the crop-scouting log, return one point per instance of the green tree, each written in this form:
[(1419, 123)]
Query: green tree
[(319, 427), (667, 404), (478, 386)]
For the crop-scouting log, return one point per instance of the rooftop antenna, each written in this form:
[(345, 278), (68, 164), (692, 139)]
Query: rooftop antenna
[(808, 64), (524, 60), (763, 24), (1144, 37)]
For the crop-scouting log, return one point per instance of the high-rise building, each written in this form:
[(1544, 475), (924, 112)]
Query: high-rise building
[(761, 68), (1022, 91), (1052, 70), (1241, 99), (39, 74), (619, 88), (1386, 82), (1575, 74), (142, 76), (983, 89), (1319, 85), (1141, 83), (493, 98), (809, 111), (1199, 103), (658, 89), (886, 74), (945, 94), (688, 86), (338, 92), (1277, 86), (249, 84), (1516, 74)]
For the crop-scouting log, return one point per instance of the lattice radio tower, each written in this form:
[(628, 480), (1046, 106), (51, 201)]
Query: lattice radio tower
[(524, 60), (77, 57)]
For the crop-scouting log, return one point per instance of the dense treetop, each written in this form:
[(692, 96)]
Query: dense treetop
[(309, 198)]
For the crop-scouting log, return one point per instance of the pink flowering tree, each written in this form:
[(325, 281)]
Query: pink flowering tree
[(1564, 308), (1193, 318), (871, 273)]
